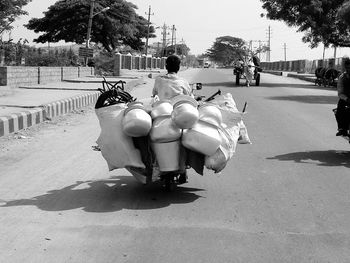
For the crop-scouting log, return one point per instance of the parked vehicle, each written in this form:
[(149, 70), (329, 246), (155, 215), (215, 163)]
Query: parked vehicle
[(156, 156), (347, 109), (207, 64), (326, 77)]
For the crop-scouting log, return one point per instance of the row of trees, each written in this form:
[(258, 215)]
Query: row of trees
[(117, 28), (121, 28), (324, 22)]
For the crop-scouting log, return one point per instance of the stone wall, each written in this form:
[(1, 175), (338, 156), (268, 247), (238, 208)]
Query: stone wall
[(17, 76), (137, 63), (301, 66)]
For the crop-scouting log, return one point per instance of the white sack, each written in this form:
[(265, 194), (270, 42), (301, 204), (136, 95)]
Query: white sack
[(216, 162), (230, 114), (243, 134), (117, 148), (219, 159)]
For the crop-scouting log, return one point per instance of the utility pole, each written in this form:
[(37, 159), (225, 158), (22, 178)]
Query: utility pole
[(173, 36), (175, 40), (164, 33), (324, 51), (260, 50), (285, 51), (92, 4), (269, 44), (148, 25)]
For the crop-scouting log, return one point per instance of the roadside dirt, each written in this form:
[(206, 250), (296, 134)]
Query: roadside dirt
[(23, 141)]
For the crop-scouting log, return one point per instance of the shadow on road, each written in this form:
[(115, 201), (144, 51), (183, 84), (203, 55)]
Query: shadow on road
[(295, 85), (313, 99), (227, 84), (117, 193), (321, 158)]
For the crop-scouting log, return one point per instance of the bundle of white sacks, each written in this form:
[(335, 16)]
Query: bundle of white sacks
[(211, 128)]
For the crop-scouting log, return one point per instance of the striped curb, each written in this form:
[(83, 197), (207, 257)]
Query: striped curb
[(18, 121), (65, 106)]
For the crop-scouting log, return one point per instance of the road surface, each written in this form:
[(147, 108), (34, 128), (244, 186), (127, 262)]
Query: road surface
[(283, 198)]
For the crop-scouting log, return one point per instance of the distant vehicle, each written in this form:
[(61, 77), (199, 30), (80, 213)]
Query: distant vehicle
[(207, 65)]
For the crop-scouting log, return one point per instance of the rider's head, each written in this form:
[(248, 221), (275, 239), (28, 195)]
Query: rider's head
[(172, 64), (346, 63)]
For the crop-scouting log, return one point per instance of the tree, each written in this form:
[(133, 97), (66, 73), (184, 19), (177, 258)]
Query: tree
[(316, 18), (227, 49), (9, 11), (67, 20), (181, 50), (344, 12)]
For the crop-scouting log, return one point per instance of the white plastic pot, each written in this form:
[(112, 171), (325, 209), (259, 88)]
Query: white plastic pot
[(164, 130), (210, 113), (167, 155), (161, 108), (203, 138), (136, 121), (185, 114)]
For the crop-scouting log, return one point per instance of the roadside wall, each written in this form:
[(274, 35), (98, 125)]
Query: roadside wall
[(131, 62), (17, 76), (301, 66)]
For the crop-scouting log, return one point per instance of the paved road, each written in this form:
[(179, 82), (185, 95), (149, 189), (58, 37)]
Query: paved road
[(284, 198)]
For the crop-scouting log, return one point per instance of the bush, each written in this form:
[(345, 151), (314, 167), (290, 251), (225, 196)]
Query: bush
[(104, 64)]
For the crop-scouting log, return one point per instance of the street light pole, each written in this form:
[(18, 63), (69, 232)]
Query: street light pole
[(91, 15)]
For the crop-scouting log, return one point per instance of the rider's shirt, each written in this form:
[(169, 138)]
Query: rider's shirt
[(170, 85), (344, 87)]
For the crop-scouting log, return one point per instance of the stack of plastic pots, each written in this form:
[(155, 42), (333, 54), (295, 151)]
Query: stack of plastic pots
[(165, 137), (204, 136)]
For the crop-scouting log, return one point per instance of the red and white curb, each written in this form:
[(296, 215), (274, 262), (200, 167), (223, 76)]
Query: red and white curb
[(18, 121)]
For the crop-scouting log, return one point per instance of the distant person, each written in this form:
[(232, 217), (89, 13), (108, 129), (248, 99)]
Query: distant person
[(170, 85), (249, 69), (342, 113)]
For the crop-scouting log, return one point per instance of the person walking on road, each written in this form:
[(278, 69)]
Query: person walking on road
[(343, 108), (249, 68)]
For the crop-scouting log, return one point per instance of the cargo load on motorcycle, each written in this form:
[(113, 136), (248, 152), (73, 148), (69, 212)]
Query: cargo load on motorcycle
[(158, 140)]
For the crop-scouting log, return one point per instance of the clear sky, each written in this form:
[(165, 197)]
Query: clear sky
[(199, 22)]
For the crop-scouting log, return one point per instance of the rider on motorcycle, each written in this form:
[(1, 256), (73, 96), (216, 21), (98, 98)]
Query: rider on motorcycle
[(342, 113), (168, 86)]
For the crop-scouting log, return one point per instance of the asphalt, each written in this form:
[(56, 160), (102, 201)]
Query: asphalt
[(26, 106)]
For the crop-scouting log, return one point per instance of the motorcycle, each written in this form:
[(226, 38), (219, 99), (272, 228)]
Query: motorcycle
[(347, 112), (114, 94)]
